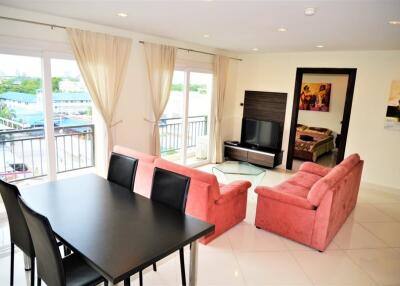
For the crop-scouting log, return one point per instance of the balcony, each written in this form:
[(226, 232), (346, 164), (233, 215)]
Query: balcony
[(171, 138), (23, 155)]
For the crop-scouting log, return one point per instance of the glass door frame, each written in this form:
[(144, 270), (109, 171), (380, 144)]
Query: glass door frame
[(185, 119), (45, 58)]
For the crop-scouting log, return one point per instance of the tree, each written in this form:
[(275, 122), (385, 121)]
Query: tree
[(55, 82), (6, 112)]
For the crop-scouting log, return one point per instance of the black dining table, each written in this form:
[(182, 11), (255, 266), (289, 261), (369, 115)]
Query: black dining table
[(117, 231)]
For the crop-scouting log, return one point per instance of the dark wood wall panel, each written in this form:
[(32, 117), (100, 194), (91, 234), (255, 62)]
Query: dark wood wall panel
[(265, 106)]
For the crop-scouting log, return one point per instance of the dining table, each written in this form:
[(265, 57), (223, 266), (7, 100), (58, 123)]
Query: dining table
[(117, 231)]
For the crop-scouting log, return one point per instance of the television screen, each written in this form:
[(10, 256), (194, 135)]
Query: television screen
[(264, 134)]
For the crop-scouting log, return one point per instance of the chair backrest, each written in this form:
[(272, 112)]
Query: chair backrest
[(49, 261), (122, 170), (19, 231), (170, 188)]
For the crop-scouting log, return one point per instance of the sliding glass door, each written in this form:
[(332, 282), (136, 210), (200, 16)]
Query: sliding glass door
[(185, 124)]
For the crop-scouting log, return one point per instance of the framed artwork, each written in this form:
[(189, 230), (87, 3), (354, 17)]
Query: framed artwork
[(392, 120), (315, 97)]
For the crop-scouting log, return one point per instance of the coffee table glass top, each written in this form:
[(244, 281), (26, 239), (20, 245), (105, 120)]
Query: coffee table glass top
[(239, 168)]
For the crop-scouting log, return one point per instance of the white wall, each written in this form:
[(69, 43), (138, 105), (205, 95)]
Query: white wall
[(333, 117), (380, 148), (134, 104)]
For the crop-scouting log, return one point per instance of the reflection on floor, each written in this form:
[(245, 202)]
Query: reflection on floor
[(327, 160), (366, 251)]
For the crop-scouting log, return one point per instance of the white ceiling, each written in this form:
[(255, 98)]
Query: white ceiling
[(243, 25)]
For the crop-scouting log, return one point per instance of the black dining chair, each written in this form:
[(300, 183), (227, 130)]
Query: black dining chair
[(170, 189), (51, 268), (19, 232), (122, 170)]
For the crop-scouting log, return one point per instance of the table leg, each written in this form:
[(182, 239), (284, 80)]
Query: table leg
[(193, 264), (27, 262)]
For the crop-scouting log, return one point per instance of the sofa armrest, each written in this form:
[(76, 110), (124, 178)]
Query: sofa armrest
[(284, 197), (230, 191), (314, 168)]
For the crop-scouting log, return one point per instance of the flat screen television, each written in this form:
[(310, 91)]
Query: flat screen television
[(261, 134)]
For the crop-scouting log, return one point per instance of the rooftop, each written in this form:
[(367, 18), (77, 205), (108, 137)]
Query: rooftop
[(57, 96)]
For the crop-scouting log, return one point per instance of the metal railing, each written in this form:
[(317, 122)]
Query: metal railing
[(171, 130), (23, 153)]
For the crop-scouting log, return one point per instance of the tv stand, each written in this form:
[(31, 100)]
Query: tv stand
[(269, 159)]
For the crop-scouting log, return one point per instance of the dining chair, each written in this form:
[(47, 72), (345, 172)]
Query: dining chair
[(170, 189), (19, 232), (122, 170), (51, 268)]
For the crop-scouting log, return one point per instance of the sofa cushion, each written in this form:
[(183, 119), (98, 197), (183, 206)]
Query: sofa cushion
[(289, 188), (194, 174), (304, 179), (134, 154), (314, 168), (319, 189)]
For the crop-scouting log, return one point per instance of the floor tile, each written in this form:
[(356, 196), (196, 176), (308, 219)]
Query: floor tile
[(331, 268), (218, 268), (383, 265), (389, 232), (364, 212), (352, 236), (246, 237), (293, 245), (392, 210), (374, 196), (271, 268)]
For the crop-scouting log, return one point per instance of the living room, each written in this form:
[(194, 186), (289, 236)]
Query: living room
[(256, 241)]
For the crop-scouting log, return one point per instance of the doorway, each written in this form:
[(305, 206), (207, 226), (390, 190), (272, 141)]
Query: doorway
[(185, 124), (319, 103)]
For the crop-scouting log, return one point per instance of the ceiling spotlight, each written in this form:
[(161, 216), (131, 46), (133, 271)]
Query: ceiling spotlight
[(206, 36), (282, 29), (254, 49), (394, 22), (123, 15), (309, 11), (319, 46)]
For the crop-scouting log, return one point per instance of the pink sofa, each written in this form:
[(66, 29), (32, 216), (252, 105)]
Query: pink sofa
[(311, 206), (222, 205)]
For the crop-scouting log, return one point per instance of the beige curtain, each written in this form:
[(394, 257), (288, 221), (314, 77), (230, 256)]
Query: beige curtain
[(160, 64), (221, 66), (102, 60)]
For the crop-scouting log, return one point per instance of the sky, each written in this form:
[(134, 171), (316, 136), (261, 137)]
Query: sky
[(12, 65)]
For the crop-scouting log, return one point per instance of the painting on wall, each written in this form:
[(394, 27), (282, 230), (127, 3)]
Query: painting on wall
[(393, 108), (315, 97)]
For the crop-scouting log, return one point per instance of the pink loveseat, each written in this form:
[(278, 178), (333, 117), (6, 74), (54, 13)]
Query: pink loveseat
[(311, 206), (222, 205)]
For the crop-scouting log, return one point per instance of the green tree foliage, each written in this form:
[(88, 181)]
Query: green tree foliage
[(21, 84), (6, 112), (201, 88), (55, 83)]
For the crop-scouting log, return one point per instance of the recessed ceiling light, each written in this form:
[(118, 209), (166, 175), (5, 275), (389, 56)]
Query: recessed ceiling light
[(282, 29), (309, 11), (319, 46), (206, 36), (394, 22), (254, 49), (122, 14)]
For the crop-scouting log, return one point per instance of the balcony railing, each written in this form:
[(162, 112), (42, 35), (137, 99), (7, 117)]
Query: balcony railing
[(171, 130), (23, 153)]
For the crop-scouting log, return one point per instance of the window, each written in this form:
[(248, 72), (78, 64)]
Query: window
[(185, 124), (25, 151)]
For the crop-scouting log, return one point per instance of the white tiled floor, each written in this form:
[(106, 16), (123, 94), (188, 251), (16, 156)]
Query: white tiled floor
[(366, 251)]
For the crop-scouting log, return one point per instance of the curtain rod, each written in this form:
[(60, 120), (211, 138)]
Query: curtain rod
[(63, 27), (200, 52), (33, 22)]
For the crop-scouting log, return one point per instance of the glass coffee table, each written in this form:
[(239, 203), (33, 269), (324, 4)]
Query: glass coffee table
[(230, 171)]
